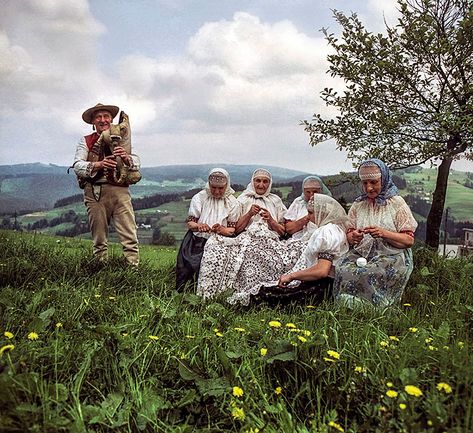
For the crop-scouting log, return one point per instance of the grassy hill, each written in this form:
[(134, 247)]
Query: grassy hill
[(87, 348)]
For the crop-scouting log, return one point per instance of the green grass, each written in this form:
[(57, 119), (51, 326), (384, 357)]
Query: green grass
[(119, 350)]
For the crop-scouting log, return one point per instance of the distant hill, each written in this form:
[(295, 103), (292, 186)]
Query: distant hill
[(30, 187)]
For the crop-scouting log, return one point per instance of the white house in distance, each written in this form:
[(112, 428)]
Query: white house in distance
[(467, 247)]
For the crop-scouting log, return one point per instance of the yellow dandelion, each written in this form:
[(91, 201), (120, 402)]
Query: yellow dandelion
[(153, 337), (305, 332), (407, 304), (429, 340), (97, 295), (275, 324), (461, 344), (391, 393), (432, 348), (238, 413), (413, 390), (6, 348), (330, 359), (219, 334), (253, 430), (384, 343), (442, 386), (389, 384), (393, 338), (112, 298), (402, 406), (413, 330), (302, 339), (335, 426), (263, 351), (310, 306), (359, 369), (278, 390), (446, 348), (9, 335), (58, 325), (290, 325), (240, 329), (190, 336), (33, 336), (237, 391), (124, 334), (430, 423), (333, 354)]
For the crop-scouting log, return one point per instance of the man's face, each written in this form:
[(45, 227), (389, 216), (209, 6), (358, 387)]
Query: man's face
[(102, 120)]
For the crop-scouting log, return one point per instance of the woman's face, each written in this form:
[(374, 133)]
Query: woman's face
[(261, 184), (309, 192), (372, 187), (218, 191)]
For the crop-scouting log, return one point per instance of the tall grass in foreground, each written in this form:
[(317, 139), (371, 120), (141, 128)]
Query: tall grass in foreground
[(86, 348)]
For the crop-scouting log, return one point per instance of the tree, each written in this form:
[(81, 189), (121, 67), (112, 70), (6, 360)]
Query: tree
[(408, 95)]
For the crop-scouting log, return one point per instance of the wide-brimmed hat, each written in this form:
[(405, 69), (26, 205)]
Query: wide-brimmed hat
[(87, 115)]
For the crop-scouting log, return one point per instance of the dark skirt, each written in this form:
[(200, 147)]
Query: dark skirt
[(188, 260), (310, 292)]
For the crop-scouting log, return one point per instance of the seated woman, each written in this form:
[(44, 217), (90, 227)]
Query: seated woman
[(381, 232), (209, 212), (259, 227), (298, 223), (314, 268)]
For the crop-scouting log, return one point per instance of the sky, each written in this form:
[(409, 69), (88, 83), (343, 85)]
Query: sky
[(210, 81)]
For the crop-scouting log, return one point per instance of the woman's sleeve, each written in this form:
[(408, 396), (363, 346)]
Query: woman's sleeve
[(292, 213), (404, 220), (195, 208)]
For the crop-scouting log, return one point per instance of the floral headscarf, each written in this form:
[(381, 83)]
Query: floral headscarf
[(322, 185), (219, 173), (388, 189)]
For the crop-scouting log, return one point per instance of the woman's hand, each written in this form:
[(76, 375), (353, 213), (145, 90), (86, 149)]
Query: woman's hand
[(203, 228), (355, 236), (284, 280), (376, 232)]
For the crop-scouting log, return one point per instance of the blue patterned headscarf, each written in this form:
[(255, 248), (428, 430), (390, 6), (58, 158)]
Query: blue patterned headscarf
[(324, 189), (388, 189)]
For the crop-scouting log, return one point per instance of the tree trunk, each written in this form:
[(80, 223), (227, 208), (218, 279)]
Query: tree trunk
[(434, 219)]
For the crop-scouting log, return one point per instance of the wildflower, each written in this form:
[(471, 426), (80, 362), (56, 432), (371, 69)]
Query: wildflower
[(393, 338), (6, 348), (330, 359), (442, 386), (306, 333), (391, 393), (389, 384), (112, 298), (263, 351), (239, 329), (335, 426), (428, 340), (33, 336), (9, 335), (432, 348), (58, 325), (407, 304), (190, 336), (402, 406), (412, 329), (384, 343), (238, 413), (461, 344), (153, 337), (217, 332), (278, 390), (237, 391), (124, 334), (290, 325), (253, 430), (413, 390), (302, 339), (430, 423), (97, 295), (446, 347), (333, 354), (310, 306), (359, 369), (275, 324)]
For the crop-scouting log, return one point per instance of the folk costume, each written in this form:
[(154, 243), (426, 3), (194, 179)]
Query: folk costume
[(382, 280), (104, 200), (205, 209)]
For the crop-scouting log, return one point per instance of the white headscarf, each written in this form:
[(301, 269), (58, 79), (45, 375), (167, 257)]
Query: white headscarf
[(210, 210), (269, 201)]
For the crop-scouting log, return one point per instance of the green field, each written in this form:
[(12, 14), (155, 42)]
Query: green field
[(104, 348)]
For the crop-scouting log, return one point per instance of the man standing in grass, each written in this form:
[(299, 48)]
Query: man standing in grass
[(104, 199)]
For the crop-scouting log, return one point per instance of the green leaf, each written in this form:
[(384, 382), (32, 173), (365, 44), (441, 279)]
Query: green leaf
[(45, 315), (425, 271), (187, 373), (213, 387)]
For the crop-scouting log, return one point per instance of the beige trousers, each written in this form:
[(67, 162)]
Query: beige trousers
[(106, 203)]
